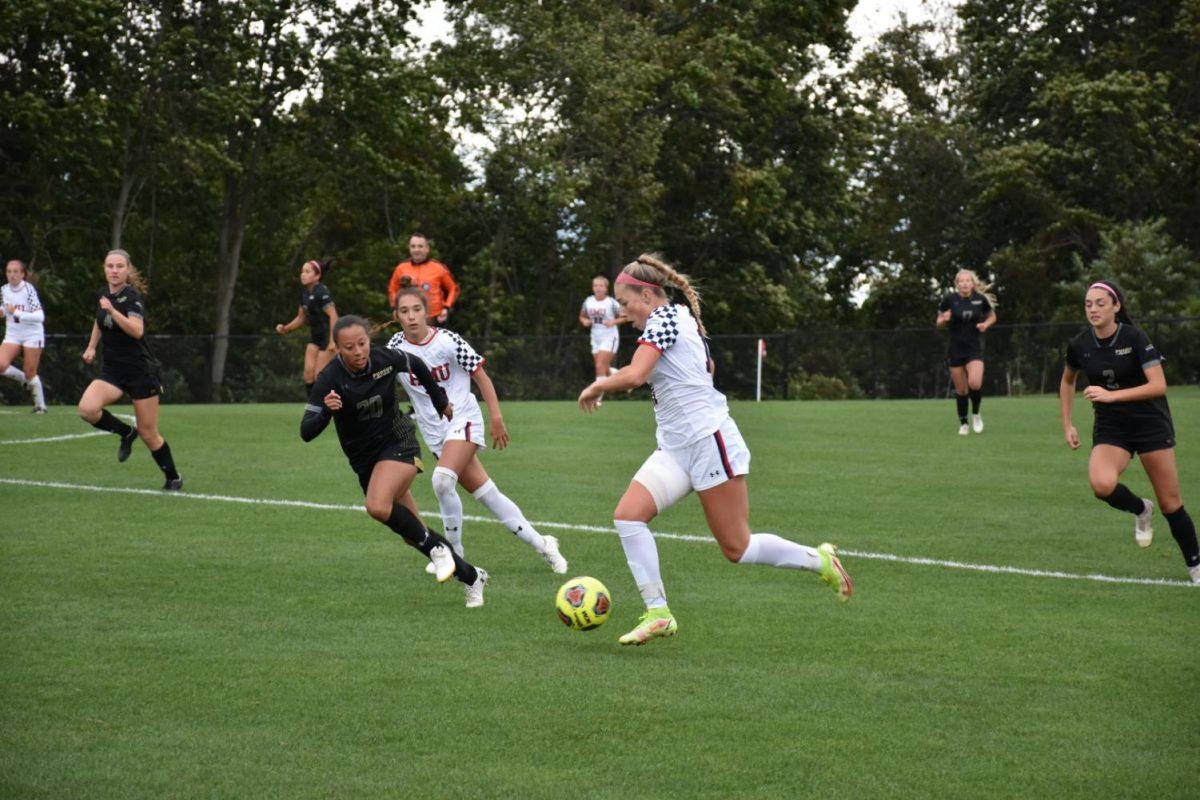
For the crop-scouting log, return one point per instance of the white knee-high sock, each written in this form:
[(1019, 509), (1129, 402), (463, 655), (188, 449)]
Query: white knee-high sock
[(15, 374), (39, 396), (509, 514), (641, 552), (775, 551), (445, 486)]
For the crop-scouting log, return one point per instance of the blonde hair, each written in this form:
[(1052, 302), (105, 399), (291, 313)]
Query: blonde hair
[(135, 277), (651, 269), (984, 289), (607, 282)]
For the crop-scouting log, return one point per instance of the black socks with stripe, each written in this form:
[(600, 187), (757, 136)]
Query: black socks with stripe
[(1184, 531), (162, 457), (409, 527)]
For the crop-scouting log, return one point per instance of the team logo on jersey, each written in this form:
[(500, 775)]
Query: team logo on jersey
[(381, 373), (1124, 351), (121, 299), (425, 287), (976, 302)]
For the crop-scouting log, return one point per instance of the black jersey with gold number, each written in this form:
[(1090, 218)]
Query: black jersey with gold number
[(965, 314), (120, 350), (314, 301), (368, 420), (1119, 362)]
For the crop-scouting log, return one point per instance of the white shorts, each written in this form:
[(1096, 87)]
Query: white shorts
[(606, 342), (467, 429), (25, 338), (670, 474)]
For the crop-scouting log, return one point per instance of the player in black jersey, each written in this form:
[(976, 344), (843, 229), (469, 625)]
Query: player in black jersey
[(1129, 396), (967, 312), (358, 392), (127, 366), (316, 309)]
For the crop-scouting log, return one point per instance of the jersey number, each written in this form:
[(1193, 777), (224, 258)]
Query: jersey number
[(370, 408), (1110, 379), (966, 315)]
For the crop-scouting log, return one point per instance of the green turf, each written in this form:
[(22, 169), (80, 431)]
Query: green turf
[(161, 646)]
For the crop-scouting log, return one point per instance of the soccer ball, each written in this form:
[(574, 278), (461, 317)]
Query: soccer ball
[(583, 603)]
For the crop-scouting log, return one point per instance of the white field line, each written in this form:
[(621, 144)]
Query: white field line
[(682, 537), (65, 436)]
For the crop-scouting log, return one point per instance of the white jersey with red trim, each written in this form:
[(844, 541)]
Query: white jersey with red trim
[(686, 406), (452, 361), (27, 307), (599, 312)]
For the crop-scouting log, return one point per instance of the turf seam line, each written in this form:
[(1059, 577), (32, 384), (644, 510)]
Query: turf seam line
[(683, 537)]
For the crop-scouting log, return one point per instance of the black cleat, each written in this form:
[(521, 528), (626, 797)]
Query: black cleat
[(126, 445), (173, 484)]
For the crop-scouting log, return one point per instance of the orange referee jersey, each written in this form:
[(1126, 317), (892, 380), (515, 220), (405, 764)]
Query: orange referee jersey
[(430, 276)]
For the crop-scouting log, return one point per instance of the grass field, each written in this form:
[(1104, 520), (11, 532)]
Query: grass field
[(189, 646)]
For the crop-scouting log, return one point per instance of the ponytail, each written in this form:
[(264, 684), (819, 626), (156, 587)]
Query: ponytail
[(651, 269)]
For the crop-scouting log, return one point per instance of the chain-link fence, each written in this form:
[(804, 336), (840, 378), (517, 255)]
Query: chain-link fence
[(803, 364)]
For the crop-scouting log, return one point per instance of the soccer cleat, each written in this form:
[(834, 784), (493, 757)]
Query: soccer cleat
[(431, 568), (833, 573), (39, 409), (553, 557), (475, 590), (1143, 525), (1195, 573), (173, 484), (963, 429), (977, 423), (126, 446), (443, 563), (656, 623)]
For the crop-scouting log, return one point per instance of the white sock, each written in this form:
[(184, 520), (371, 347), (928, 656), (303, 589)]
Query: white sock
[(641, 552), (39, 397), (15, 374), (445, 486), (509, 514), (775, 551)]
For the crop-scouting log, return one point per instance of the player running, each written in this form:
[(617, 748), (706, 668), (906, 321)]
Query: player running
[(454, 364), (968, 312), (602, 314), (318, 310), (24, 331), (1128, 391), (358, 392), (127, 366), (699, 448)]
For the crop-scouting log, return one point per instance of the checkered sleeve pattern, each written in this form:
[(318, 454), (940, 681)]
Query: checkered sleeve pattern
[(35, 302), (464, 354), (662, 328), (395, 341)]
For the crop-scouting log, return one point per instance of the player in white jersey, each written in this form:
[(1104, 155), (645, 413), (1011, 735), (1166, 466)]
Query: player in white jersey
[(454, 364), (699, 448), (24, 331), (602, 314)]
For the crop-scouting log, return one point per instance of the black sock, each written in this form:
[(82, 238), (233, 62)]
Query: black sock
[(961, 399), (976, 399), (405, 523), (108, 422), (162, 457), (1122, 499), (307, 390), (1184, 531)]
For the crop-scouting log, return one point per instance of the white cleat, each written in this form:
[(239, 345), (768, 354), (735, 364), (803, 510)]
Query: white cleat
[(963, 429), (552, 555), (431, 568), (1143, 527), (475, 590), (1195, 573), (977, 423), (443, 563)]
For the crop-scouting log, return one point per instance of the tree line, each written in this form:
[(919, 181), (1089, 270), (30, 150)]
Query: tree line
[(223, 144)]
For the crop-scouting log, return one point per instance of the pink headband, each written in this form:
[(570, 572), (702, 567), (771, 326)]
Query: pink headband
[(626, 278), (1107, 288)]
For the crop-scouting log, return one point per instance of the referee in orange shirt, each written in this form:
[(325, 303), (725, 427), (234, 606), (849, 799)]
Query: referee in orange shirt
[(429, 275)]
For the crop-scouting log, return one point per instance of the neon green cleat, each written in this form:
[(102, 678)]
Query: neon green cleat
[(833, 573), (656, 623)]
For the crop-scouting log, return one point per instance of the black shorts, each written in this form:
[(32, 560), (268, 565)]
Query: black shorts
[(961, 355), (1136, 436), (139, 383), (397, 451), (319, 336)]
